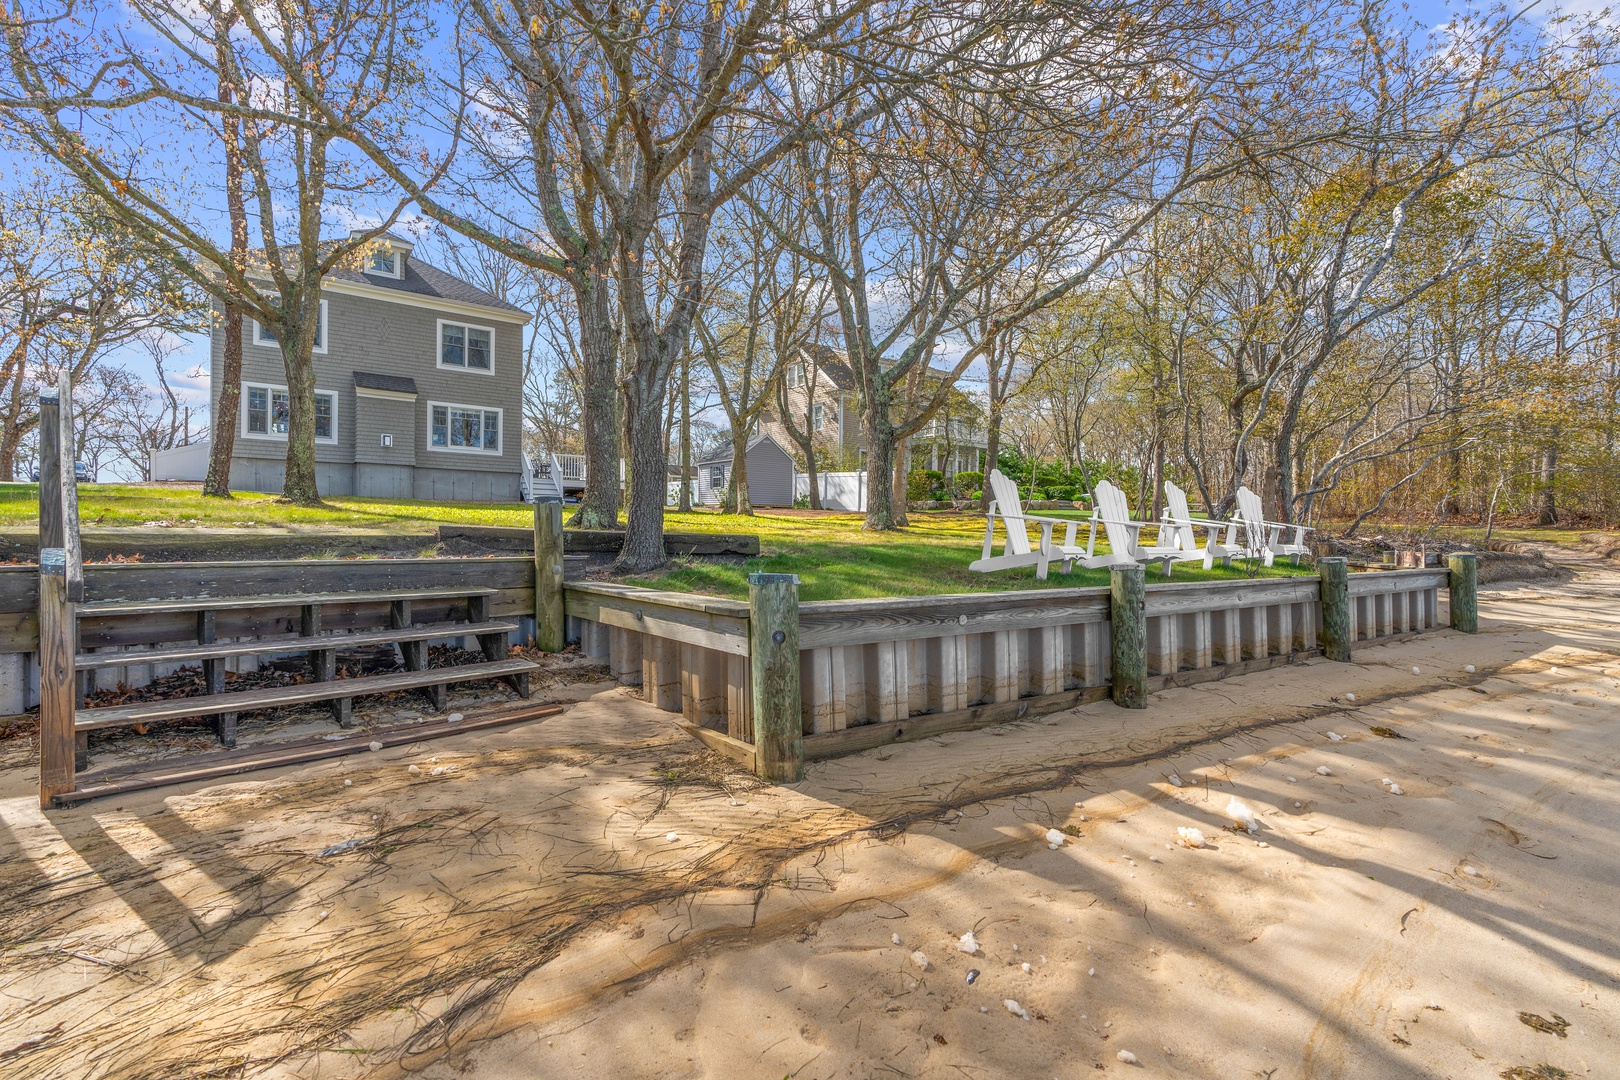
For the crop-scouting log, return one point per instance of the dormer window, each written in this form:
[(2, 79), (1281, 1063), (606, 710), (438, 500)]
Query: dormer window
[(382, 255), (383, 264)]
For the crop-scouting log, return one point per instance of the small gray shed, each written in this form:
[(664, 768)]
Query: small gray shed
[(770, 474)]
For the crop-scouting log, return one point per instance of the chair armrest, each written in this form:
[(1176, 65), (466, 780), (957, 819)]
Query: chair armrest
[(1053, 520)]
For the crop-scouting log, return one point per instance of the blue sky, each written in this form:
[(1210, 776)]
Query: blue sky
[(202, 176)]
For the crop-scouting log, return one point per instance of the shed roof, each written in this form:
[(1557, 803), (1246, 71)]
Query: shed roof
[(724, 453)]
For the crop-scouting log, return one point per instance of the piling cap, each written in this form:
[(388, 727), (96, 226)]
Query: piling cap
[(773, 579)]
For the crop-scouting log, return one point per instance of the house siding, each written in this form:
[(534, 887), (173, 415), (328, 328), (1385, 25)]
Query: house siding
[(388, 337), (770, 475)]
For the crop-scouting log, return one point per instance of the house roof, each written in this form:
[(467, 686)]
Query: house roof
[(724, 454), (424, 279), (421, 279), (399, 384), (834, 363)]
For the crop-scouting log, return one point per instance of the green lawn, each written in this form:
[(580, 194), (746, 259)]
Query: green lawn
[(131, 504), (833, 556), (837, 560)]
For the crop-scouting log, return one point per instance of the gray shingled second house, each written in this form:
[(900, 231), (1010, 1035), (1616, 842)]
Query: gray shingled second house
[(419, 389)]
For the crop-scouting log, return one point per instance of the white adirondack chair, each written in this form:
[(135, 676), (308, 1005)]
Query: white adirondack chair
[(1264, 538), (1016, 549), (1182, 526), (1112, 511)]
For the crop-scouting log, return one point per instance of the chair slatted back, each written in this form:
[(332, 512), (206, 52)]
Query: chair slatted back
[(1253, 518), (1006, 502), (1112, 507), (1180, 517)]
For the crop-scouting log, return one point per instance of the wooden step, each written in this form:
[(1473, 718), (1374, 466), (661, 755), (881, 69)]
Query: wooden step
[(289, 600), (185, 654), (251, 700)]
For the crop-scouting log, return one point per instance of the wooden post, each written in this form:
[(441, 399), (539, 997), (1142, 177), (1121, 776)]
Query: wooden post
[(548, 576), (1464, 591), (773, 651), (1127, 623), (67, 465), (58, 629), (1336, 624)]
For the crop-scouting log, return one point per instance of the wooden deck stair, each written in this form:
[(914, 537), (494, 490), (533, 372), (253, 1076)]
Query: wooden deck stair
[(248, 700), (321, 645)]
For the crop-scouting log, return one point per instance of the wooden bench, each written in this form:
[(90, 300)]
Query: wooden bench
[(321, 645)]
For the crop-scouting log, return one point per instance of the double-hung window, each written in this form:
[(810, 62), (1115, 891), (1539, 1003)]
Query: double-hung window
[(263, 335), (384, 264), (466, 428), (466, 347), (815, 416), (268, 413)]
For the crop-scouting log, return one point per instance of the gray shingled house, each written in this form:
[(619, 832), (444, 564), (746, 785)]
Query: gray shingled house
[(419, 390)]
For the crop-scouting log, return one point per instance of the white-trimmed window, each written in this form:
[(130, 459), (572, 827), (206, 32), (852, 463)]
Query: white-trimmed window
[(717, 477), (466, 347), (816, 416), (795, 375), (263, 335), (386, 263), (266, 413), (468, 429)]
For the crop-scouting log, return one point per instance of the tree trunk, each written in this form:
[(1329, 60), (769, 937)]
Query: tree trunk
[(644, 534), (1546, 499), (902, 472), (880, 465), (736, 500), (683, 498), (599, 374), (992, 450), (811, 473), (222, 443), (227, 410), (299, 486), (12, 432)]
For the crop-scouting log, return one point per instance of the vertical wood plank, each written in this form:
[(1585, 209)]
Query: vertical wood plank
[(1048, 669), (1257, 626), (711, 689), (1003, 665), (661, 673), (625, 655), (739, 699), (57, 744), (58, 630), (69, 483)]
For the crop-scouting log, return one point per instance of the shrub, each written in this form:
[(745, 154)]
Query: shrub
[(967, 484), (924, 484)]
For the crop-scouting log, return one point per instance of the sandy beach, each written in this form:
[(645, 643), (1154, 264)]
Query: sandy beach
[(1430, 894)]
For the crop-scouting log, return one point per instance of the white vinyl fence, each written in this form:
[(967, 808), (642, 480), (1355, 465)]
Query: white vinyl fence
[(839, 490)]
